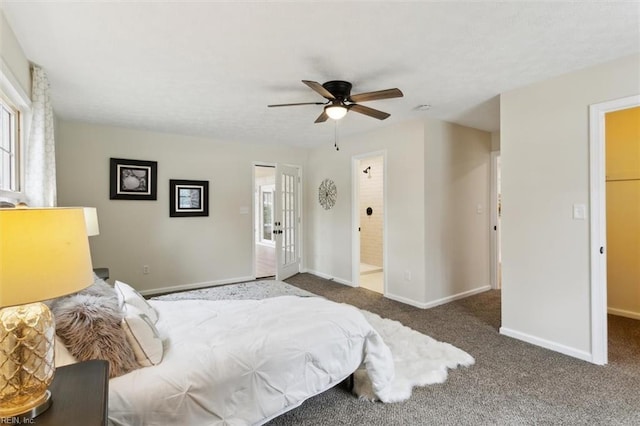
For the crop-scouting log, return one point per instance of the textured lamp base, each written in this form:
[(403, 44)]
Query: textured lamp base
[(44, 404), (26, 360)]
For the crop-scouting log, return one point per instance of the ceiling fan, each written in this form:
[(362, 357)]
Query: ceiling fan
[(340, 100)]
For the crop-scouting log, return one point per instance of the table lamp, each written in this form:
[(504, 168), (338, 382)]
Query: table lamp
[(44, 253), (91, 220)]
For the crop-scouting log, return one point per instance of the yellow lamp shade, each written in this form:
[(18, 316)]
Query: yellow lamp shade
[(44, 253)]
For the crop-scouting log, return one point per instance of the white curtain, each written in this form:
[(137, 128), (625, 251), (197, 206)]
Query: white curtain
[(40, 160)]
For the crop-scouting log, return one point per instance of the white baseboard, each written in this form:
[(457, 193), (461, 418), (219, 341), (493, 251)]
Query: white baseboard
[(458, 296), (624, 313), (195, 286), (438, 302), (547, 344), (329, 277), (405, 300)]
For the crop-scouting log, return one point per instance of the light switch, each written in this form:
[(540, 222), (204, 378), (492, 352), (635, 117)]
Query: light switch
[(244, 210), (579, 212), (479, 209)]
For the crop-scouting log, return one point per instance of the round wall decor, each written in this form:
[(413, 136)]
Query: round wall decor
[(327, 194)]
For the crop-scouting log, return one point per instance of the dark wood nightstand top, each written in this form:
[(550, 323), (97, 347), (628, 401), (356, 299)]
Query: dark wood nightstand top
[(80, 395)]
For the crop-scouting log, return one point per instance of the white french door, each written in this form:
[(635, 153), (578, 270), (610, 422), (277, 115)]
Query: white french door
[(287, 221)]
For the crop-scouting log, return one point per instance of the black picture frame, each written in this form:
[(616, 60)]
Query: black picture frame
[(188, 198), (133, 179)]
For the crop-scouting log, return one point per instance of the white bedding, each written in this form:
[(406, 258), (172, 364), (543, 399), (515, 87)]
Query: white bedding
[(241, 362)]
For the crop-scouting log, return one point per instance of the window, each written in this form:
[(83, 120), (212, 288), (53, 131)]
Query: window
[(9, 146)]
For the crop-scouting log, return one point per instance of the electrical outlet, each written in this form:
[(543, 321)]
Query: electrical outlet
[(407, 275), (146, 269)]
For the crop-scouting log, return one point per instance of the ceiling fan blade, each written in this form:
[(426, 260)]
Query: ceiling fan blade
[(322, 118), (319, 88), (380, 94), (380, 115), (300, 103)]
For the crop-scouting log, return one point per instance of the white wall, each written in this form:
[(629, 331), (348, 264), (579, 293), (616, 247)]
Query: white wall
[(179, 251), (437, 244), (13, 57), (457, 210), (545, 170), (329, 246)]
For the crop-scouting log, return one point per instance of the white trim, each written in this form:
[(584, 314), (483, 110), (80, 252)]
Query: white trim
[(10, 85), (547, 344), (438, 302), (494, 244), (195, 286), (598, 222), (406, 301), (13, 90), (624, 313), (355, 217), (329, 277), (355, 223)]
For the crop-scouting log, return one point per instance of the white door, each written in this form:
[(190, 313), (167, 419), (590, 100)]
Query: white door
[(287, 221)]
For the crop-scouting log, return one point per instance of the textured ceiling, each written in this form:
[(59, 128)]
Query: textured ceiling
[(210, 68)]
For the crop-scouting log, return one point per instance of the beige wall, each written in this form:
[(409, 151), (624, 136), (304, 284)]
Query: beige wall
[(457, 210), (545, 171), (13, 57), (329, 247), (495, 141), (437, 175), (179, 251), (371, 195)]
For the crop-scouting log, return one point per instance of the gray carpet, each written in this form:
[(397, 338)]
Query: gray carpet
[(512, 382)]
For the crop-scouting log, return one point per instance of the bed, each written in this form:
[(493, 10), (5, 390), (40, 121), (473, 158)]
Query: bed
[(244, 362)]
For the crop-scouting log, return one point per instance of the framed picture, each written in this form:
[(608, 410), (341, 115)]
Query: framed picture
[(133, 179), (188, 198)]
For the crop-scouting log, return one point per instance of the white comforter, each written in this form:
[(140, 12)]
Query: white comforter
[(241, 362)]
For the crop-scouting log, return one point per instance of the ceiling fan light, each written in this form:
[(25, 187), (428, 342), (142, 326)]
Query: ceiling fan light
[(335, 111)]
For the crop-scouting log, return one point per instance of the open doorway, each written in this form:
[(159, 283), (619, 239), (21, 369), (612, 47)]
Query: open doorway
[(264, 236), (369, 187), (622, 174), (601, 188)]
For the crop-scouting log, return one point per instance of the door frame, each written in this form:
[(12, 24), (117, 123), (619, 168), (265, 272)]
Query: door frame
[(355, 217), (598, 222), (495, 222)]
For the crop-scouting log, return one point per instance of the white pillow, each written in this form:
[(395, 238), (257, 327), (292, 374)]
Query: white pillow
[(142, 336), (62, 354), (129, 295)]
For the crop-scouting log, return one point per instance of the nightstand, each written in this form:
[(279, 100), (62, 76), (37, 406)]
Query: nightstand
[(80, 395), (102, 273)]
